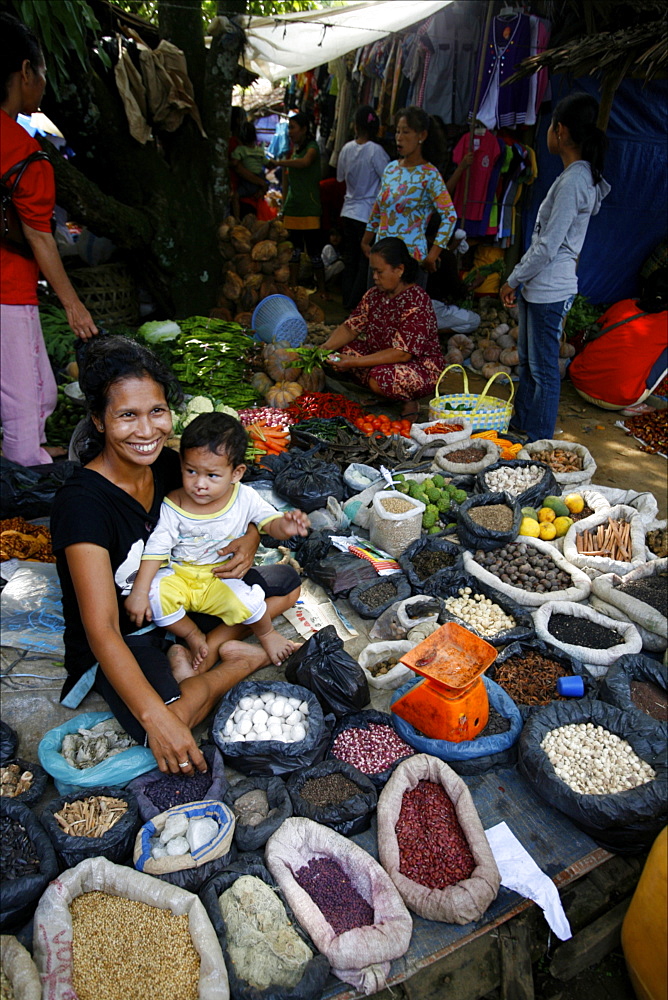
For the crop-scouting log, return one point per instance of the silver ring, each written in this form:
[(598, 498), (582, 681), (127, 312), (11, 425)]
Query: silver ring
[(185, 764)]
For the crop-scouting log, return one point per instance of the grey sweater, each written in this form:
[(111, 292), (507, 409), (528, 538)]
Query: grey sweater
[(547, 270)]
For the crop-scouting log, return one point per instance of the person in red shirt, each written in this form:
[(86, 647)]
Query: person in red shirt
[(27, 385)]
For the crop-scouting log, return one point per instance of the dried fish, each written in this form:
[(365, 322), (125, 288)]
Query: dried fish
[(89, 747)]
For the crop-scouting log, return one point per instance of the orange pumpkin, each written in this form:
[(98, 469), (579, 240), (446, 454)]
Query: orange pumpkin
[(280, 363), (283, 394)]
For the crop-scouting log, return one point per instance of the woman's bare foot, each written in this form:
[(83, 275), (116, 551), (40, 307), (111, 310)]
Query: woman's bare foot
[(276, 646), (180, 662), (234, 653), (411, 409), (196, 641)]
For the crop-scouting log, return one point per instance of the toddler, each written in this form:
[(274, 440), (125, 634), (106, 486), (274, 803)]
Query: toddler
[(211, 508), (249, 161)]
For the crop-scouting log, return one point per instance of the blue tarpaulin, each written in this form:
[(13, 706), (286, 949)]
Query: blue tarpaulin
[(633, 218)]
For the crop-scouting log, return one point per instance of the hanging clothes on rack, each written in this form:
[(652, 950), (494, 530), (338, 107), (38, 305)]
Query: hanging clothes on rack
[(486, 152), (452, 38), (508, 45), (540, 30)]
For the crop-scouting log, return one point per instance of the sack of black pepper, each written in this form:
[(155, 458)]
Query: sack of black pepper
[(213, 781), (33, 793), (443, 588), (610, 587), (362, 954), (115, 845), (20, 970), (531, 497), (597, 660), (395, 586), (253, 836), (373, 760), (570, 664), (323, 666), (288, 974), (19, 893), (423, 546), (465, 900), (9, 741), (624, 822), (615, 687), (475, 536), (353, 815)]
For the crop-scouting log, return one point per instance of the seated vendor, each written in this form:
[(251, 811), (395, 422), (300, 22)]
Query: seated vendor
[(389, 343)]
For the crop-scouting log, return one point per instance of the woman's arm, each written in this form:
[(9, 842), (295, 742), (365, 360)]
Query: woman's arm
[(46, 254), (248, 175), (389, 356), (442, 203), (299, 162), (92, 576), (339, 338), (243, 551), (453, 179), (553, 232)]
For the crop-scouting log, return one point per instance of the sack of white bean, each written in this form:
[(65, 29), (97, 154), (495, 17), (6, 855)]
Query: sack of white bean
[(606, 770), (582, 632), (104, 824), (29, 863), (335, 794), (344, 900), (432, 844), (101, 925), (323, 666), (528, 482), (254, 826), (20, 970), (482, 609), (638, 685), (640, 594), (488, 520)]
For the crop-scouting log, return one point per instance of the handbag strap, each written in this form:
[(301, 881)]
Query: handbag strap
[(445, 372), (19, 168), (484, 391), (613, 326)]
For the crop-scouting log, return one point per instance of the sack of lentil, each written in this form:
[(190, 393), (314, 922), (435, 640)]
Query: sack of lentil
[(28, 863), (27, 782), (527, 482), (156, 791), (430, 557), (529, 571), (370, 742), (99, 821), (260, 805), (19, 969), (641, 594), (370, 599), (467, 457), (395, 521), (381, 654), (488, 520), (271, 756), (322, 665), (589, 636), (101, 925), (334, 794), (638, 685), (651, 642), (432, 844), (620, 803), (528, 671), (9, 741), (477, 755), (267, 954), (343, 899), (577, 465), (482, 610)]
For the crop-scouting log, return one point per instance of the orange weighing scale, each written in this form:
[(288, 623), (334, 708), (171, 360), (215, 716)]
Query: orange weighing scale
[(451, 702)]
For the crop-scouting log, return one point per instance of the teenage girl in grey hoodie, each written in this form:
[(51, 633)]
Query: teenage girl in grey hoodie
[(546, 272)]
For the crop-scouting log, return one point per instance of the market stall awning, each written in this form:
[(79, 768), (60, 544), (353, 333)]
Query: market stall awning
[(284, 44)]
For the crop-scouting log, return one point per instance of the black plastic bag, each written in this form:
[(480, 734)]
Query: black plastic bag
[(116, 844), (252, 838), (615, 687), (534, 495), (272, 756), (141, 785), (362, 720), (192, 879), (28, 491), (312, 983), (626, 822), (307, 481), (348, 817), (358, 599), (524, 625), (40, 779), (9, 740), (429, 543), (474, 536), (20, 896), (322, 665), (340, 572), (536, 645)]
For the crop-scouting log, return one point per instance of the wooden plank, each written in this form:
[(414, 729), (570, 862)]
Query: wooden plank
[(516, 972), (590, 945), (467, 974)]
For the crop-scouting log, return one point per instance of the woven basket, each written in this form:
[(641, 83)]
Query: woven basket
[(486, 413), (108, 292)]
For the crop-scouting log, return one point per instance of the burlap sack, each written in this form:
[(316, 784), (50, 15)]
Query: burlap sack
[(607, 588), (578, 591), (216, 848), (651, 642), (360, 956), (376, 652), (442, 462), (52, 933), (577, 478), (458, 904), (597, 661), (436, 441), (20, 969), (595, 566)]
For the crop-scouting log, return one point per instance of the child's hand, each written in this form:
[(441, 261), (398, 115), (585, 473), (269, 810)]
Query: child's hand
[(296, 522), (138, 609)]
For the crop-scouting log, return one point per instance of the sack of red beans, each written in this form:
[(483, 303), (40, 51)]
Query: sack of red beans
[(156, 791), (323, 666), (334, 794), (343, 899), (253, 836), (369, 741), (432, 844)]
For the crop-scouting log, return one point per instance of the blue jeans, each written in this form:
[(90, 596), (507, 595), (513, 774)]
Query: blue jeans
[(537, 399)]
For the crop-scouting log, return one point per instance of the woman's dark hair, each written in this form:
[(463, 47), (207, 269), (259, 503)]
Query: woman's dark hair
[(433, 147), (105, 361), (395, 253), (304, 121), (367, 122), (218, 433), (237, 119), (248, 134), (17, 43), (579, 113), (654, 291)]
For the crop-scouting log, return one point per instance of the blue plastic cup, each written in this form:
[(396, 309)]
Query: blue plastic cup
[(571, 687)]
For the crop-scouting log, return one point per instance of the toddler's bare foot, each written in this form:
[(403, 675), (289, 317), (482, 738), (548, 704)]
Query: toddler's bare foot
[(276, 646), (180, 662), (196, 641)]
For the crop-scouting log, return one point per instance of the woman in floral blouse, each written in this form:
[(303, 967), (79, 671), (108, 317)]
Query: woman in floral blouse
[(389, 343), (411, 189)]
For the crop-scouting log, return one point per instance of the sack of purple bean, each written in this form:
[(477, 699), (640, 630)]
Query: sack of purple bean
[(343, 899), (334, 794), (156, 792), (370, 742), (260, 805), (432, 844), (323, 666)]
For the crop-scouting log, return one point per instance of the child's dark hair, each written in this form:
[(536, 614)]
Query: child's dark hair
[(395, 253), (17, 43), (433, 147), (579, 113), (367, 122), (248, 134), (218, 433)]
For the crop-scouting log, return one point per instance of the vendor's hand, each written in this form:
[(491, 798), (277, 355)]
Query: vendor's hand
[(430, 263), (80, 320), (172, 744), (507, 295), (242, 552), (366, 249), (341, 362), (137, 608), (296, 522), (467, 159)]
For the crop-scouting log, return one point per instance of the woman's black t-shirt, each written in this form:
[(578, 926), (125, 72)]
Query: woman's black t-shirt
[(90, 508)]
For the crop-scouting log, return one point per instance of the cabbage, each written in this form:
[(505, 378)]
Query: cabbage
[(159, 331), (199, 404), (221, 408)]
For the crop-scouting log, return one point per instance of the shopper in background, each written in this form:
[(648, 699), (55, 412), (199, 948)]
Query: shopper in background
[(546, 272), (360, 165), (248, 162), (28, 389)]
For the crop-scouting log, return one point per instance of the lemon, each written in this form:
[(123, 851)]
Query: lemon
[(547, 531), (562, 524), (529, 527), (575, 503), (546, 514)]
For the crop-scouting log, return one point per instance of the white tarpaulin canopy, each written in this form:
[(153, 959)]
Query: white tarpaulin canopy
[(284, 44)]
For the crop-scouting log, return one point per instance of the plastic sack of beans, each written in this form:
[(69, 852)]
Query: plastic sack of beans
[(534, 682), (625, 822), (501, 509), (436, 843), (28, 863), (115, 844), (250, 836), (374, 925), (53, 931), (421, 561), (323, 666), (598, 652), (640, 594), (20, 970), (638, 685), (334, 794), (156, 791), (370, 742), (533, 495), (470, 586), (311, 984)]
